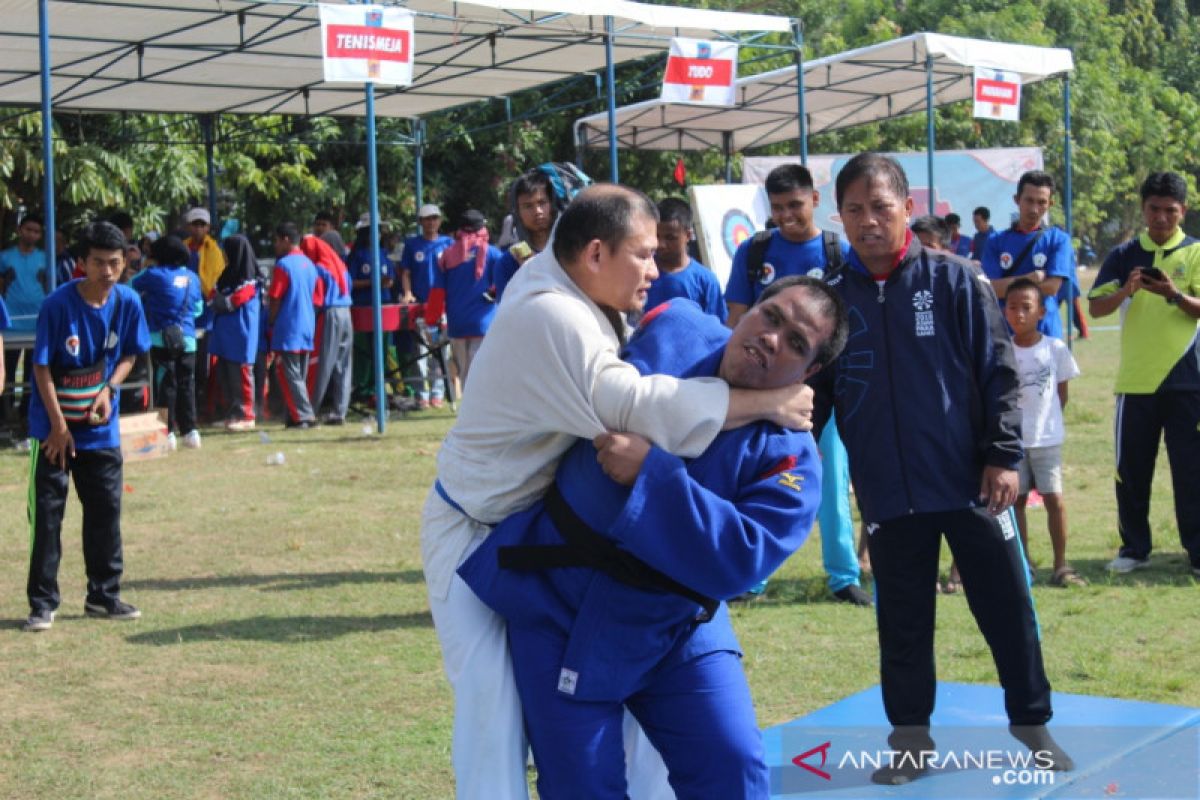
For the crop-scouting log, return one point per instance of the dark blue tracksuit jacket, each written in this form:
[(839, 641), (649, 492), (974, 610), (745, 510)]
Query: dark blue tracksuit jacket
[(926, 389)]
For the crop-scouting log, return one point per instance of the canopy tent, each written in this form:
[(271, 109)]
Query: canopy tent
[(264, 57), (851, 88)]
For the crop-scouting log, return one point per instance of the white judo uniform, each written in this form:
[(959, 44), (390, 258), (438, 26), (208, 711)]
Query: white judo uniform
[(548, 373)]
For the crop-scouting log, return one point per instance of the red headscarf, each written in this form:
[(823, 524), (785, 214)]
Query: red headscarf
[(464, 242), (319, 252)]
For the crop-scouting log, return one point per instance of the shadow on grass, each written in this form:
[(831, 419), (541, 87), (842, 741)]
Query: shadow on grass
[(284, 630), (1170, 569), (280, 582), (795, 591)]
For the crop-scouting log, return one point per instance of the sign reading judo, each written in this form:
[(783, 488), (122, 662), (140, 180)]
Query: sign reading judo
[(367, 43), (700, 72), (997, 94)]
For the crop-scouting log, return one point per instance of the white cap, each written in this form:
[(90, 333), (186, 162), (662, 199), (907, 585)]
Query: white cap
[(363, 222), (197, 213), (429, 210)]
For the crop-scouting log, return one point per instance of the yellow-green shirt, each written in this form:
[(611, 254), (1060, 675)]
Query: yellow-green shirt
[(1159, 348)]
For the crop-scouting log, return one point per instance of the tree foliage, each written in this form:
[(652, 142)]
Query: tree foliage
[(1135, 109)]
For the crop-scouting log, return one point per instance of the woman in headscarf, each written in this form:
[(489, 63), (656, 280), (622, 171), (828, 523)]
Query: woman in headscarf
[(236, 306)]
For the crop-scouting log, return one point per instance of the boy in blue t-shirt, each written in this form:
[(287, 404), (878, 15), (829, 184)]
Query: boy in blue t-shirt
[(421, 254), (461, 286), (679, 275), (89, 332), (1031, 250), (798, 247)]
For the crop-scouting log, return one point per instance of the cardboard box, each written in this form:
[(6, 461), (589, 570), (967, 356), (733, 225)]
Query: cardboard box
[(143, 436)]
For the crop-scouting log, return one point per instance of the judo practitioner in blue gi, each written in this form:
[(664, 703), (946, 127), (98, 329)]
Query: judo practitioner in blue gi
[(612, 593)]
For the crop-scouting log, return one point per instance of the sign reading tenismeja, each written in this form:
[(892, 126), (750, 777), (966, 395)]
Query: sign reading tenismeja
[(997, 94), (700, 72), (367, 43)]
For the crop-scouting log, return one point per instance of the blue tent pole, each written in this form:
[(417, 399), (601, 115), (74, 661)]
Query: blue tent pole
[(206, 127), (376, 284), (47, 142), (1068, 200), (798, 40), (610, 73), (930, 140), (420, 161)]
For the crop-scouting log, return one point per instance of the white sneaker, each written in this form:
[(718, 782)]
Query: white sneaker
[(239, 425), (172, 442), (192, 440), (1123, 564)]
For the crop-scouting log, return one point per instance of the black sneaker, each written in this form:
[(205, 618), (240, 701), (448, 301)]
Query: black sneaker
[(117, 609), (39, 620), (854, 595)]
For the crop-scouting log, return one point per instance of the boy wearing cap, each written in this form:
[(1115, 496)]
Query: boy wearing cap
[(421, 253), (207, 260), (462, 287)]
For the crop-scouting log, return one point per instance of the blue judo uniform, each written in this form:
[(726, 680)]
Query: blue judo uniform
[(585, 645)]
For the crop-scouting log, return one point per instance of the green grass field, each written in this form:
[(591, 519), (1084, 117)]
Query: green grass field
[(287, 650)]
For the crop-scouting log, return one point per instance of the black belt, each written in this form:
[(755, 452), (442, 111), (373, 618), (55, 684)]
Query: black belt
[(586, 548)]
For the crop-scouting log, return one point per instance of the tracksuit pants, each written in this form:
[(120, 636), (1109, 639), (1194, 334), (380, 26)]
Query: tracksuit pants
[(904, 559), (837, 526), (1141, 420), (334, 366), (176, 380), (291, 369), (237, 389), (98, 484)]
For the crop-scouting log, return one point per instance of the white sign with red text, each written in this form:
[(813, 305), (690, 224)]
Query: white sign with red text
[(367, 43), (700, 72), (997, 94)]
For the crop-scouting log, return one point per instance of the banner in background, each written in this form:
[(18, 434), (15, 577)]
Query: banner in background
[(997, 94), (700, 72), (965, 179), (367, 43)]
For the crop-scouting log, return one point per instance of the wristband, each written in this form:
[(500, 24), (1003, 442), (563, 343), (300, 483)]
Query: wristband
[(1174, 299)]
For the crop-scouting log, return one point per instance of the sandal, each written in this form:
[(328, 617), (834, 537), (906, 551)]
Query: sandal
[(1065, 577)]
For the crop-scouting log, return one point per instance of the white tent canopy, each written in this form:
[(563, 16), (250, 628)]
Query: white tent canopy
[(237, 56), (852, 88)]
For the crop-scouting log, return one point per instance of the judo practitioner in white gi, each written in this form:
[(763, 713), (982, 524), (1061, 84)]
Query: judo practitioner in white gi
[(548, 373)]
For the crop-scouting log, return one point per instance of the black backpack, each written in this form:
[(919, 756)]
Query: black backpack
[(757, 255)]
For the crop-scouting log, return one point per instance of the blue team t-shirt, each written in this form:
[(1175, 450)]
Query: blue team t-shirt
[(170, 296), (782, 258), (420, 259), (25, 292), (359, 267), (4, 320), (296, 321), (469, 309), (1052, 253), (72, 334), (695, 282)]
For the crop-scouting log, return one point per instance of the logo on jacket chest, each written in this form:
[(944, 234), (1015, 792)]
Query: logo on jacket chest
[(72, 345), (923, 317)]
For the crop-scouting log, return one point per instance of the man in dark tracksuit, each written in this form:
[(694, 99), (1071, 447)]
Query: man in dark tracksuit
[(926, 400)]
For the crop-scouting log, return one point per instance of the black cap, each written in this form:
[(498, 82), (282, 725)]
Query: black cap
[(471, 220)]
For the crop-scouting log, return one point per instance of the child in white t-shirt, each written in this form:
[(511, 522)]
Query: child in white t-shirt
[(1044, 365)]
